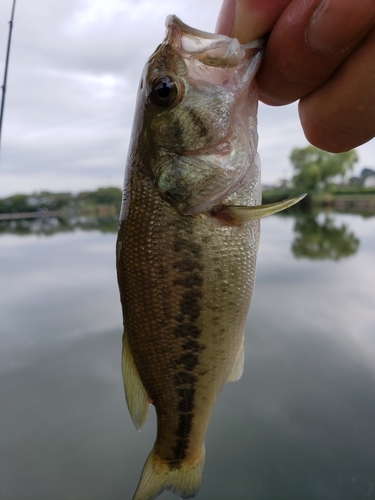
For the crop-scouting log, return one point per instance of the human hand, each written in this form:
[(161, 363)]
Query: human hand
[(319, 51)]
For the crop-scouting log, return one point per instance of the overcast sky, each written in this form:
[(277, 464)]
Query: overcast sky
[(73, 74)]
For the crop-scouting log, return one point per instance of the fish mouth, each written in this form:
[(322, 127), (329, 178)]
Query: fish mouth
[(212, 49)]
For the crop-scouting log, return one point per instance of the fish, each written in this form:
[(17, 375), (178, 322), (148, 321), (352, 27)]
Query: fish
[(187, 243)]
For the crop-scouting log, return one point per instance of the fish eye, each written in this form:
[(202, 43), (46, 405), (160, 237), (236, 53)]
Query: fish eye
[(163, 91)]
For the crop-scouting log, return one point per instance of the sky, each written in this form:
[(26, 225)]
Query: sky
[(72, 80)]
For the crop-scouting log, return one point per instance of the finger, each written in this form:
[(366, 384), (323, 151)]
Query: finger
[(341, 114), (249, 19), (307, 45)]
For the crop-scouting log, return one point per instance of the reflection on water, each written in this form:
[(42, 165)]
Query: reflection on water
[(320, 237), (317, 236), (52, 225), (300, 424)]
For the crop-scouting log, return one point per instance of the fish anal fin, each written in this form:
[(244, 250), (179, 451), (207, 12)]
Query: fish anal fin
[(136, 395), (157, 476), (237, 214), (237, 369)]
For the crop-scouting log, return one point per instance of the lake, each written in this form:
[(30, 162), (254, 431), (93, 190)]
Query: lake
[(299, 425)]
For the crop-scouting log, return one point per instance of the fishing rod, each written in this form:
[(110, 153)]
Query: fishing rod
[(6, 68)]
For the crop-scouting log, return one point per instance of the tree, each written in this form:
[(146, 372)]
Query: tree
[(367, 172), (102, 196), (16, 203), (314, 168)]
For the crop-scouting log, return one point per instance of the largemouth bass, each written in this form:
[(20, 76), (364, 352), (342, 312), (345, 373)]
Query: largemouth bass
[(187, 243)]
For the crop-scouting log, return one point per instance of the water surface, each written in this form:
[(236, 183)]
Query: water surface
[(300, 424)]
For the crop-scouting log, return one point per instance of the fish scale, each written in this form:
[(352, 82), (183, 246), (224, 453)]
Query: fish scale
[(176, 301), (187, 243)]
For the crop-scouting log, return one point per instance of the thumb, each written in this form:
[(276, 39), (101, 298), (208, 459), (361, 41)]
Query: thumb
[(249, 19)]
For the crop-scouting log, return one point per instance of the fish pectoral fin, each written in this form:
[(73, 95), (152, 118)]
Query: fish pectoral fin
[(237, 369), (136, 395), (240, 214)]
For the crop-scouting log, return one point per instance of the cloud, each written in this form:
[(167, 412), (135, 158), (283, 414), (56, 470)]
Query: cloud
[(72, 81)]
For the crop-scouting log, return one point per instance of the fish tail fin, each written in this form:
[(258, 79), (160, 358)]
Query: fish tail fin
[(158, 476)]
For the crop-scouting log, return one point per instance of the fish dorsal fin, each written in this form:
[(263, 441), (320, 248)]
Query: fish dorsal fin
[(237, 369), (136, 395), (238, 214)]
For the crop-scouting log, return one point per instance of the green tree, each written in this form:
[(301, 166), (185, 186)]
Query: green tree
[(105, 196), (51, 201), (16, 203), (367, 172), (314, 168)]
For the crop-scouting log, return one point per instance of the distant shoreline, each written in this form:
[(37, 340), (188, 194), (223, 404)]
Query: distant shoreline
[(106, 202), (361, 200), (345, 201)]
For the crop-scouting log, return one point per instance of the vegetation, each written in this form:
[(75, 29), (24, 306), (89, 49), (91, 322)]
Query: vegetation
[(102, 196), (105, 201), (318, 173), (365, 179), (315, 169), (321, 240)]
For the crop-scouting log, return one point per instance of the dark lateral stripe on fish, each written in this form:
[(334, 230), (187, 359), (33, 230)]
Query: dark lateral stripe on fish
[(191, 248), (190, 304), (183, 378), (189, 281), (185, 409), (186, 330), (188, 262), (186, 265), (185, 421), (192, 345), (189, 360)]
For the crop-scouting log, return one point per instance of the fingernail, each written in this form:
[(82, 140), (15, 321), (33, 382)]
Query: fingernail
[(336, 25), (225, 21)]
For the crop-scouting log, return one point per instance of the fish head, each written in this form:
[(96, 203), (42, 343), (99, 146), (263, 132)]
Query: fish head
[(197, 136)]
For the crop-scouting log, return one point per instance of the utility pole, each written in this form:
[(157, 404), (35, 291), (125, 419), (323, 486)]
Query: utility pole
[(6, 68)]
